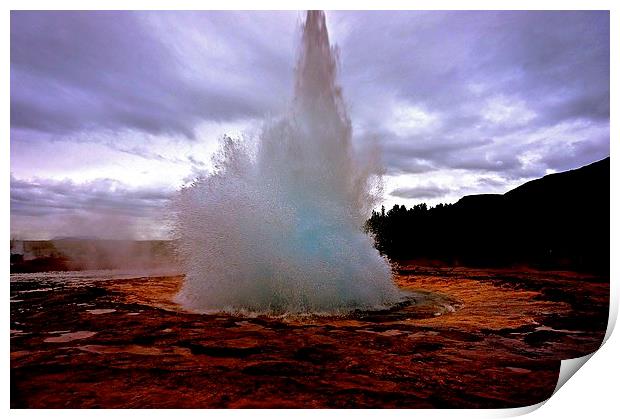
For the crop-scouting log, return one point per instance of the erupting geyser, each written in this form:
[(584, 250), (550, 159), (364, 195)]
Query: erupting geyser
[(280, 230)]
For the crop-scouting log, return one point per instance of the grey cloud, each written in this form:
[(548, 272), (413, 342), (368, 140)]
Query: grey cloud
[(557, 147), (430, 191), (195, 162), (73, 71), (83, 70), (490, 182), (403, 164), (44, 209), (434, 57), (577, 154), (555, 64), (159, 73), (45, 197), (420, 155)]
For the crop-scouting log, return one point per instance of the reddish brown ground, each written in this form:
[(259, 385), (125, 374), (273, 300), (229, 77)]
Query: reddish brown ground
[(500, 348)]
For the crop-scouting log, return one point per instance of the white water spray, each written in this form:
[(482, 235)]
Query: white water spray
[(281, 231)]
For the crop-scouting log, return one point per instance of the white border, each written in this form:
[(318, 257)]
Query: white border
[(593, 392)]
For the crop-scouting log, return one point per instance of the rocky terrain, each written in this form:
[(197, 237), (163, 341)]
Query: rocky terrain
[(469, 338)]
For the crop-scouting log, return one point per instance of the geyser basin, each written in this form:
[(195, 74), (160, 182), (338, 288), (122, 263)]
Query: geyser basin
[(409, 356), (280, 231)]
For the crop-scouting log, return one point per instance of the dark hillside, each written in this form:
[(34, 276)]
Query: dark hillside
[(556, 222)]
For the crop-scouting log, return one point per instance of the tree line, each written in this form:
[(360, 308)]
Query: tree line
[(492, 231)]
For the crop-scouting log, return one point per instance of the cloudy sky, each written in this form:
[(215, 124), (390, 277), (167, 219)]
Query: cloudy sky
[(111, 112)]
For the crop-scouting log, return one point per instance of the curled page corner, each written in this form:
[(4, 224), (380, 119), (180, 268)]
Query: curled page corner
[(613, 314), (569, 367), (521, 411)]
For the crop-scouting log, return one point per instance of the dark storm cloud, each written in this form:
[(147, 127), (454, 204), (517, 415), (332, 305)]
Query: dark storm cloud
[(74, 71), (47, 197), (481, 74), (504, 96), (558, 58)]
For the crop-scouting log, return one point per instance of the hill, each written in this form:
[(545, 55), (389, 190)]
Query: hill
[(558, 221)]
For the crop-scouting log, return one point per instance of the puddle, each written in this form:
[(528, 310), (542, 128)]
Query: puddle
[(551, 329), (519, 370), (131, 349), (15, 333), (391, 332), (36, 290), (101, 311), (68, 337), (19, 354)]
